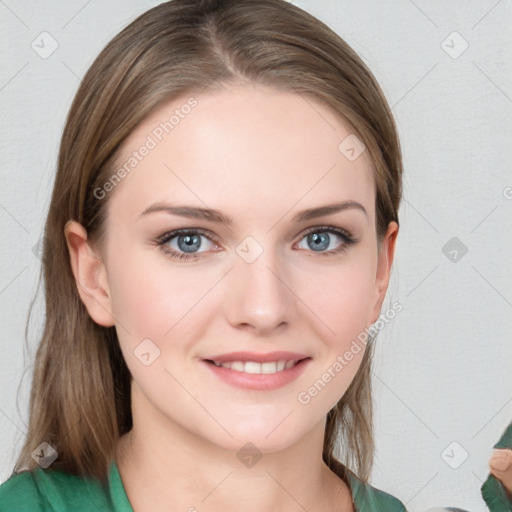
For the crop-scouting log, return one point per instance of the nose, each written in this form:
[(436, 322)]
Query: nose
[(259, 296)]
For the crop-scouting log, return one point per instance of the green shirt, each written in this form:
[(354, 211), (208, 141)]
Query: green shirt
[(46, 490)]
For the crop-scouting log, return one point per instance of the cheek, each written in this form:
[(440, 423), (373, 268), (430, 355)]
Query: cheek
[(341, 298), (343, 310), (153, 298), (137, 298), (154, 308)]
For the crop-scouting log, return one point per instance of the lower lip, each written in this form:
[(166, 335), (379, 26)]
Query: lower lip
[(259, 381)]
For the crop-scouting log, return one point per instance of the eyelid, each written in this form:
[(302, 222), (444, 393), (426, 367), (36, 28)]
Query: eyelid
[(169, 235), (335, 229), (208, 234)]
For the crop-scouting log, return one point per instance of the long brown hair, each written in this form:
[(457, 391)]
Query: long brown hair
[(80, 395)]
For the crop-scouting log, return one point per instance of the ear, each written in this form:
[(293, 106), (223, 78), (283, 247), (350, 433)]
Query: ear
[(384, 263), (90, 274)]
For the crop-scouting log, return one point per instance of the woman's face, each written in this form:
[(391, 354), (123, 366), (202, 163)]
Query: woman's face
[(272, 278)]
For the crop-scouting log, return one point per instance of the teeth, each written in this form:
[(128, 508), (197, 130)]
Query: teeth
[(237, 366), (254, 367), (250, 367)]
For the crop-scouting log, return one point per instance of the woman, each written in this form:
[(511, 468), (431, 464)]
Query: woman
[(219, 242)]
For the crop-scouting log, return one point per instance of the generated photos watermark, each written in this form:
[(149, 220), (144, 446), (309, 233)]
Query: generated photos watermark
[(151, 142), (343, 360)]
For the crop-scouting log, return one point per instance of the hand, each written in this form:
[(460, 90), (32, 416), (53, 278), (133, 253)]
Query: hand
[(501, 467)]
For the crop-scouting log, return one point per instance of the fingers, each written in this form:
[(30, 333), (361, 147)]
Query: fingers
[(501, 467)]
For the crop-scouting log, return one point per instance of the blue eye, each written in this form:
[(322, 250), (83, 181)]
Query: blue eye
[(321, 240), (184, 244), (187, 244)]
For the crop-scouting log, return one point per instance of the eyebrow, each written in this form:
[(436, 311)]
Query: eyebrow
[(218, 217)]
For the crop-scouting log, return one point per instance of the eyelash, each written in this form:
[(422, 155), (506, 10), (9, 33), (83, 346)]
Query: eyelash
[(162, 240)]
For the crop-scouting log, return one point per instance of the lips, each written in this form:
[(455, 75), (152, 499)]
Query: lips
[(255, 375)]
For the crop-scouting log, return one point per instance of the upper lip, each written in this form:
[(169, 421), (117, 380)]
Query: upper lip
[(259, 358)]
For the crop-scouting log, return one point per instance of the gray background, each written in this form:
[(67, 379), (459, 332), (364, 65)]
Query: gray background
[(442, 368)]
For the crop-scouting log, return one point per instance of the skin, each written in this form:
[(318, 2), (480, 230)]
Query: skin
[(259, 156), (500, 465)]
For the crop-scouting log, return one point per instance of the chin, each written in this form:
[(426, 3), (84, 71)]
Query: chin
[(268, 437), (257, 445)]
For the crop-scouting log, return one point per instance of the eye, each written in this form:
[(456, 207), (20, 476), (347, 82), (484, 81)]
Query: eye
[(188, 244), (185, 243), (327, 240)]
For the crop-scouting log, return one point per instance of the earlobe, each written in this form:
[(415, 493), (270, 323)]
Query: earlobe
[(90, 274), (384, 264)]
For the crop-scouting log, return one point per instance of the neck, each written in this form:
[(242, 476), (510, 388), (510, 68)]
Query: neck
[(166, 468)]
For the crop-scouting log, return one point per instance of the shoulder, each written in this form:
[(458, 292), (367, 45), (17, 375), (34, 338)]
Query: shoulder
[(41, 490), (20, 493), (370, 499)]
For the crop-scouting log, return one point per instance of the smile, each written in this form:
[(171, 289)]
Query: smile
[(255, 367), (267, 376)]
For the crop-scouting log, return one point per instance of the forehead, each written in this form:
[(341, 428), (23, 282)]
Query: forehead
[(245, 147)]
